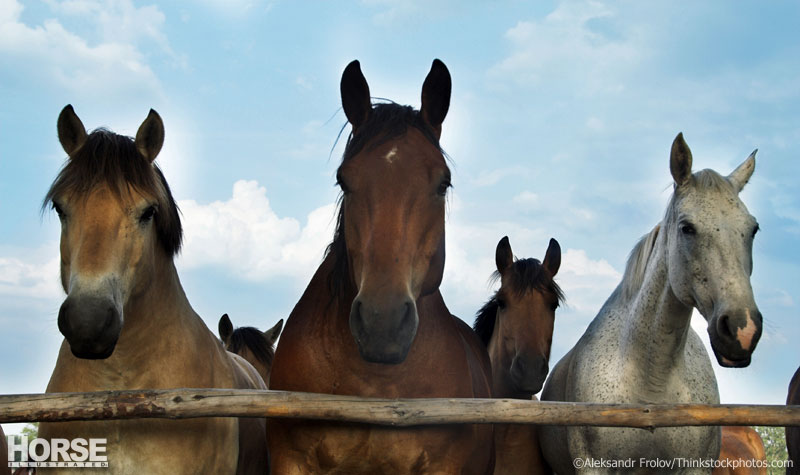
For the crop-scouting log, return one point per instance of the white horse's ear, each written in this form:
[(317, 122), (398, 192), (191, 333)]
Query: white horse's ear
[(680, 161), (743, 172), (503, 256), (552, 258), (71, 132), (150, 136), (273, 333)]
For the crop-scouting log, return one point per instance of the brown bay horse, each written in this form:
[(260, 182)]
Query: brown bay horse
[(793, 432), (741, 447), (516, 325), (372, 321), (126, 320), (255, 346)]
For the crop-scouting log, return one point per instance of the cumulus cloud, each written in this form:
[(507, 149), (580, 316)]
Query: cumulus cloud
[(245, 236), (51, 52)]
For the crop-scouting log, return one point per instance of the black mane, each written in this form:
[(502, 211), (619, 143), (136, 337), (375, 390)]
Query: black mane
[(526, 274), (113, 159), (252, 338), (386, 121)]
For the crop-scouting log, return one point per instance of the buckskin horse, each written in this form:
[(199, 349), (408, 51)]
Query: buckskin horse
[(641, 349), (516, 325), (372, 322), (126, 321)]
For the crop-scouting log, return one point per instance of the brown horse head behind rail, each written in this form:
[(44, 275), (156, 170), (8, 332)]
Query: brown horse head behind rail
[(255, 346), (372, 322), (516, 325), (394, 180)]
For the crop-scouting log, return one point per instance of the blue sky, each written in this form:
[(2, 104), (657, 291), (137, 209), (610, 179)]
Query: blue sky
[(560, 125)]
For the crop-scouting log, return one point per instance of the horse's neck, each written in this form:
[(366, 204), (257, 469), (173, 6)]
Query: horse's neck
[(658, 324)]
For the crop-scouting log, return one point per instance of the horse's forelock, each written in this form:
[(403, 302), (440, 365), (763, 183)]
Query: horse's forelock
[(112, 159)]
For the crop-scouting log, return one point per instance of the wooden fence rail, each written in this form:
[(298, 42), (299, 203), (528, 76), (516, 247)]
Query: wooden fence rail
[(188, 403)]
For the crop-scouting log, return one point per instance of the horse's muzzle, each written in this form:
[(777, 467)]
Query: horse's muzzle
[(91, 326), (384, 329)]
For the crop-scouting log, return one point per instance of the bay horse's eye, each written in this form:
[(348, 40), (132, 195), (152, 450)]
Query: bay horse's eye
[(147, 214), (443, 186), (688, 229), (341, 184), (501, 304)]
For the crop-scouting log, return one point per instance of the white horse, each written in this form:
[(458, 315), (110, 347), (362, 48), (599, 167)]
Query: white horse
[(641, 349)]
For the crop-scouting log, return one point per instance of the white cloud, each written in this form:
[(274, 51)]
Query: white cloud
[(527, 198), (564, 49), (246, 237), (50, 52), (31, 273)]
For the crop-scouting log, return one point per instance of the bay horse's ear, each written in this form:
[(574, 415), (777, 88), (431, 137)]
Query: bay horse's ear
[(503, 256), (552, 258), (436, 96), (225, 328), (355, 95), (680, 161), (150, 136), (273, 333), (743, 172), (71, 132)]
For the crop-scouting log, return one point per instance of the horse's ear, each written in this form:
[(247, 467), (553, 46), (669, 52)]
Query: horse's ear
[(273, 333), (225, 328), (743, 172), (355, 95), (436, 96), (503, 256), (150, 136), (552, 258), (71, 132), (680, 161)]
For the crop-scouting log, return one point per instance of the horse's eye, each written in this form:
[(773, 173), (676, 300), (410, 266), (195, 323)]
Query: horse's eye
[(341, 184), (756, 228), (443, 186), (688, 228), (501, 304), (58, 210), (147, 214), (554, 306)]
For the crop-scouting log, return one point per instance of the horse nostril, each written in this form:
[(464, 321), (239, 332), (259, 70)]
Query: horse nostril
[(723, 327)]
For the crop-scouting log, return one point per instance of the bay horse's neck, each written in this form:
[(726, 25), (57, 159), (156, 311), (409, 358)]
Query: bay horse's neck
[(658, 325)]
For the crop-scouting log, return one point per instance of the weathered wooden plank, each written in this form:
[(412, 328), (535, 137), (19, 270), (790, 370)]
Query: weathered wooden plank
[(189, 403)]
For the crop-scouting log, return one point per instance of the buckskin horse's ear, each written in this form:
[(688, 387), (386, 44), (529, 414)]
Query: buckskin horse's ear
[(150, 136), (680, 161), (273, 333), (355, 95), (71, 132), (743, 172), (552, 258), (225, 328), (436, 96), (503, 256)]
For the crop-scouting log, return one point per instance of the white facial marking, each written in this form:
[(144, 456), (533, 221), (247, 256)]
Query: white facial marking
[(745, 335), (390, 157)]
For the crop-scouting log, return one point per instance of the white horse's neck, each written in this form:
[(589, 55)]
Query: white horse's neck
[(657, 327)]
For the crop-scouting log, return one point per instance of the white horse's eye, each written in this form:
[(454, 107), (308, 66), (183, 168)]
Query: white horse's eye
[(756, 228), (688, 228)]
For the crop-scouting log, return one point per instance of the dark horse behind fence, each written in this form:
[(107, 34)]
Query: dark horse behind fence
[(372, 321)]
